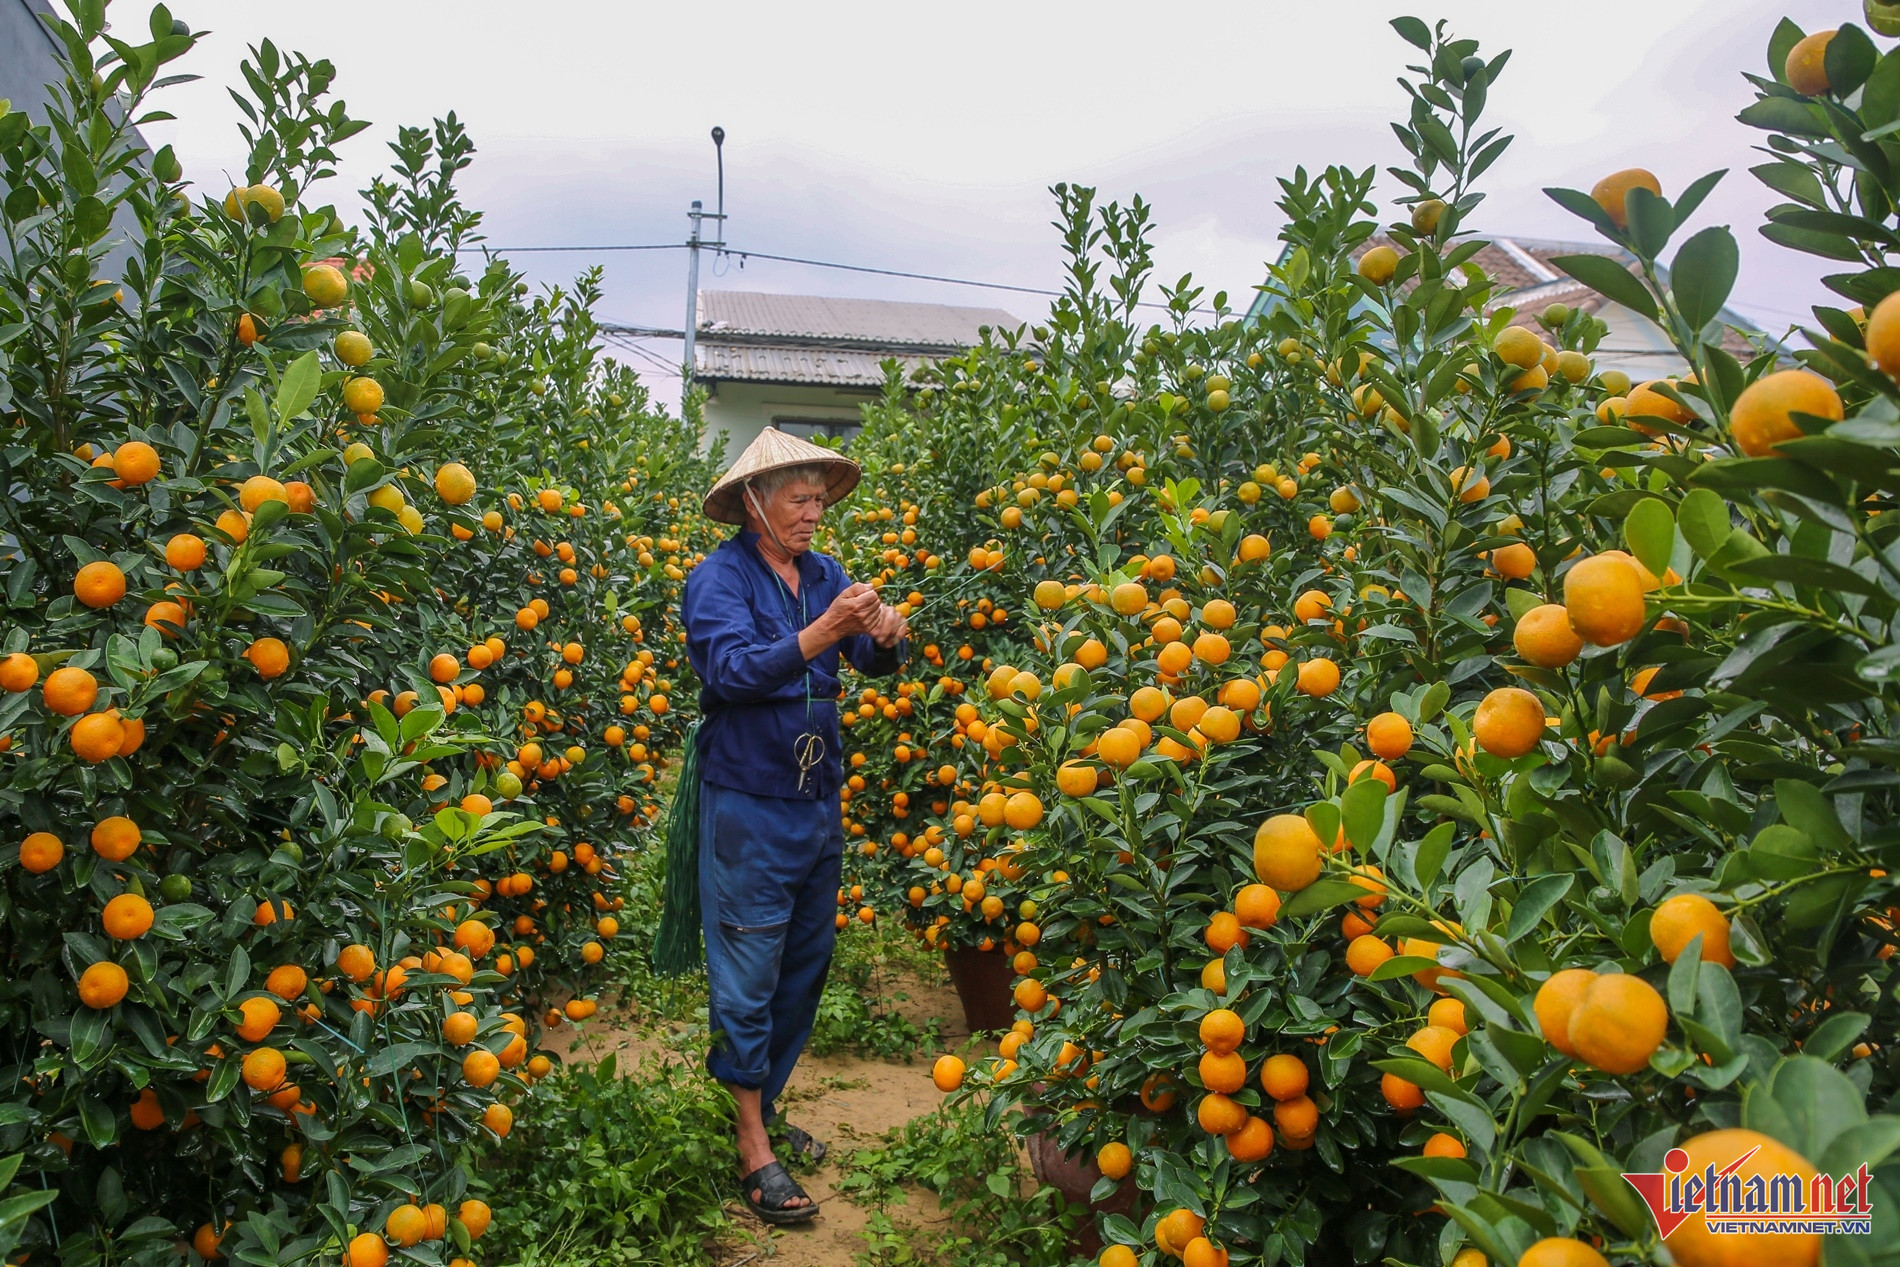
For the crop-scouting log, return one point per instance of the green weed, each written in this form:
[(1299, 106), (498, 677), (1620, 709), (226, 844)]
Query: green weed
[(605, 1171), (995, 1214), (858, 1012)]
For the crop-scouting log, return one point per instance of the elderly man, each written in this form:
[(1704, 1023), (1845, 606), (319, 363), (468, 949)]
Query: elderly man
[(767, 620)]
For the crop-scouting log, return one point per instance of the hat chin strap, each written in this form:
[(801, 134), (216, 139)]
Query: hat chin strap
[(765, 523)]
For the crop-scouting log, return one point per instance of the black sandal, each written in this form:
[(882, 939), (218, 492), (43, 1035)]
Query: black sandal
[(776, 1187), (802, 1143)]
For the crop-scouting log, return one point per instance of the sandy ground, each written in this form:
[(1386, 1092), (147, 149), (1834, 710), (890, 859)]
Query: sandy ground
[(847, 1100)]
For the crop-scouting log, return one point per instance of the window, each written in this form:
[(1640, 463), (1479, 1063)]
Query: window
[(839, 429)]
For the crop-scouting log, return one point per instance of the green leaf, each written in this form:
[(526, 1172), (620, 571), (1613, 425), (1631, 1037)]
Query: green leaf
[(1797, 181), (1808, 810), (1805, 574), (1416, 1069), (91, 218), (1609, 278), (1780, 852), (1609, 438), (1413, 32), (1583, 206), (1651, 219), (1432, 852), (1868, 1144), (1483, 1234), (1683, 975), (363, 473), (1879, 106), (1692, 195), (223, 1078), (101, 1124), (420, 721), (1849, 59), (1650, 530), (1780, 44), (267, 514), (299, 387), (1704, 519), (1704, 274), (1740, 547), (1611, 1194), (1829, 246), (1474, 1120), (1319, 896), (1601, 1179), (1835, 1035), (90, 1037), (1781, 114), (1818, 1101), (1521, 602), (1719, 1006), (1456, 1169), (1537, 898), (1401, 966), (391, 1059), (1323, 818), (1362, 808)]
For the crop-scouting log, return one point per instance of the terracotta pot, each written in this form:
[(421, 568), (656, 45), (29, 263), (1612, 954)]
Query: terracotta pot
[(1074, 1177), (982, 979)]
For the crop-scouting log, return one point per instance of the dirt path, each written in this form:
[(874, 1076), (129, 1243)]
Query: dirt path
[(850, 1103)]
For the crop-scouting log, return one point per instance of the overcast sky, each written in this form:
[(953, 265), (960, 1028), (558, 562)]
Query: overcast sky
[(924, 137)]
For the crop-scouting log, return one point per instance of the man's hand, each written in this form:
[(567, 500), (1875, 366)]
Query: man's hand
[(855, 611), (890, 627)]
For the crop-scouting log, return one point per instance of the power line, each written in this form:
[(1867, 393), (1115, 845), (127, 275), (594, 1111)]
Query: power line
[(626, 343), (809, 263), (924, 277), (529, 250), (782, 259), (892, 272)]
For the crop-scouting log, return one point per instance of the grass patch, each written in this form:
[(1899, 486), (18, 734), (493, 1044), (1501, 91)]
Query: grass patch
[(858, 1011), (605, 1171), (993, 1213)]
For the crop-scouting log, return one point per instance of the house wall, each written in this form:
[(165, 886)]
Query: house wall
[(740, 410), (29, 62), (1635, 345), (28, 56)]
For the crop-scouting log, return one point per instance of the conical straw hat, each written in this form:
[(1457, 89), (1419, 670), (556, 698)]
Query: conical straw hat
[(772, 451)]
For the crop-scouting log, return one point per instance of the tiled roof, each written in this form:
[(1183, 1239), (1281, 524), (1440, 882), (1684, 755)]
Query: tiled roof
[(1519, 264), (1528, 282)]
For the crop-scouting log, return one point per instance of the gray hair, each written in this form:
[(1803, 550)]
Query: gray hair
[(767, 483)]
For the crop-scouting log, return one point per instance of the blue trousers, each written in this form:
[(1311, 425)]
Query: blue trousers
[(768, 888)]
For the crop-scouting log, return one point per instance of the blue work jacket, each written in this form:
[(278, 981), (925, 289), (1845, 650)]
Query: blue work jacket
[(761, 697)]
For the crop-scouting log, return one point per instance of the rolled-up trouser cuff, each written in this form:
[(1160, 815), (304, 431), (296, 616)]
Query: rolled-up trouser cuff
[(743, 969)]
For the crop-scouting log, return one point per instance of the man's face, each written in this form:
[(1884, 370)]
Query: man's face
[(793, 513)]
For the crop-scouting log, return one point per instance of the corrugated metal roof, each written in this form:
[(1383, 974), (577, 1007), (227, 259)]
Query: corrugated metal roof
[(831, 367), (879, 323)]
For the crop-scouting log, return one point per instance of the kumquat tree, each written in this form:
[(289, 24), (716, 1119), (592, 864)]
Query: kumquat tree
[(1418, 797), (1425, 778), (337, 663)]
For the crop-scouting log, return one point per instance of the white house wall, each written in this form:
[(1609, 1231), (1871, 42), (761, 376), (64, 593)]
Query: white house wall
[(740, 410)]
